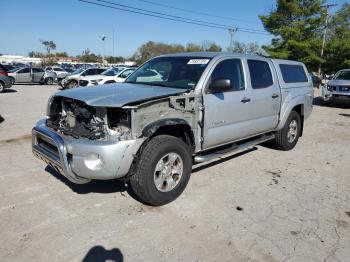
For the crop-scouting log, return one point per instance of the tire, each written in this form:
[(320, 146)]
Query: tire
[(2, 87), (72, 84), (12, 80), (49, 81), (154, 170), (288, 136)]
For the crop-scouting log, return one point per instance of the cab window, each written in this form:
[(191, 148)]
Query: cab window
[(232, 70), (260, 74)]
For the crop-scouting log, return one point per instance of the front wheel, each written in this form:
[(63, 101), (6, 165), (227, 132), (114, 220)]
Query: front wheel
[(2, 87), (72, 84), (162, 171), (288, 136), (49, 81)]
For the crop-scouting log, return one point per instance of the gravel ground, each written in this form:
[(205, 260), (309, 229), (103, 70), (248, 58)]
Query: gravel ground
[(263, 205)]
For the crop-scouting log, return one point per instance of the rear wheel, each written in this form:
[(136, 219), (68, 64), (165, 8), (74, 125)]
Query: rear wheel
[(162, 171), (288, 136)]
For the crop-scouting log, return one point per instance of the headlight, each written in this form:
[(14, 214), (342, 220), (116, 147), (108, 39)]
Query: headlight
[(331, 88)]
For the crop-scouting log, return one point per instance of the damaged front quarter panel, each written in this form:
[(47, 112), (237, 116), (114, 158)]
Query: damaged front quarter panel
[(183, 110)]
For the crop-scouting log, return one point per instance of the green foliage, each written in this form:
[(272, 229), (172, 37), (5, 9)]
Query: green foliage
[(88, 57), (297, 27), (115, 59), (49, 45), (152, 49), (250, 48), (337, 51)]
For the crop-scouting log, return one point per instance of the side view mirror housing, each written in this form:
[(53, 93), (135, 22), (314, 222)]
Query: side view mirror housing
[(220, 85)]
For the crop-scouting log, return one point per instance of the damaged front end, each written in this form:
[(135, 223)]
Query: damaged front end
[(77, 119)]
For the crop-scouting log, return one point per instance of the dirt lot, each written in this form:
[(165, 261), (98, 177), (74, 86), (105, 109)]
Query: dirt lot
[(264, 205)]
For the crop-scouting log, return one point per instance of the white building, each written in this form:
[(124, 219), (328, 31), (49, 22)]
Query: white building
[(9, 59)]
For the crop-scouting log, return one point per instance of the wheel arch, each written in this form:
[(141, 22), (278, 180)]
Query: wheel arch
[(176, 127), (297, 105)]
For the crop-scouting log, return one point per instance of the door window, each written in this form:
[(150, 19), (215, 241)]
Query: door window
[(24, 70), (230, 69), (126, 73), (260, 74), (37, 70)]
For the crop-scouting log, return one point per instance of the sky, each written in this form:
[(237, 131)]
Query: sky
[(75, 26)]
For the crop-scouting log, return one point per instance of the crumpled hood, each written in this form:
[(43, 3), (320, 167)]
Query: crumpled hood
[(118, 95), (336, 82)]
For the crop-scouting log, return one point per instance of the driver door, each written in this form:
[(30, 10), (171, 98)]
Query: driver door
[(227, 114)]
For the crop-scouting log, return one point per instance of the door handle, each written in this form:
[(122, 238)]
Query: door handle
[(245, 100), (275, 96)]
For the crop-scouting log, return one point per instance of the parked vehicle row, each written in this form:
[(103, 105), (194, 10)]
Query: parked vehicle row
[(112, 75)]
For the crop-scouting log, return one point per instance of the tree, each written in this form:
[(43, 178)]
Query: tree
[(249, 48), (88, 57), (49, 45), (151, 49), (337, 49), (210, 46), (191, 47), (297, 27)]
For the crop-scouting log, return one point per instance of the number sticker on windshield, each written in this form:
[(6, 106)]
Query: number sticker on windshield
[(198, 62)]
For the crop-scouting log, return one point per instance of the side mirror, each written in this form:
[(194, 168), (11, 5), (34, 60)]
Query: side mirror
[(83, 74), (220, 85)]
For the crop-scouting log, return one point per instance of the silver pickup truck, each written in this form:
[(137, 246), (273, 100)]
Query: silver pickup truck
[(174, 111)]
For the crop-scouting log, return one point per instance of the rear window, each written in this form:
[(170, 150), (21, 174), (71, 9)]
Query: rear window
[(260, 74), (2, 68), (293, 73)]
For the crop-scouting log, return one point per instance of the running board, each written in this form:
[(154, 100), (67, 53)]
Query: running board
[(234, 149)]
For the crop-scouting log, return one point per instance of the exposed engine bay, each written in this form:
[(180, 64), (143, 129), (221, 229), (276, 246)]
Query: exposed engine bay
[(77, 119)]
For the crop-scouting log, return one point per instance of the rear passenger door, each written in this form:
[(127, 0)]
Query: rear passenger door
[(38, 74), (266, 97)]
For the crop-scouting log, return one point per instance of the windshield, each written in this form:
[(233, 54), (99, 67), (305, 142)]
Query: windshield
[(342, 75), (110, 72), (176, 72), (78, 71)]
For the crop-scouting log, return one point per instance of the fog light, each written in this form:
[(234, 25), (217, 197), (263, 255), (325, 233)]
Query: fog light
[(93, 161)]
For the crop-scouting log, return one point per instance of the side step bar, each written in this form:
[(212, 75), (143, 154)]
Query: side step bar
[(234, 149)]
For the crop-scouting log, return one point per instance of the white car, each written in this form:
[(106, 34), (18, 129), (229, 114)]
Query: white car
[(150, 75), (112, 75), (57, 70)]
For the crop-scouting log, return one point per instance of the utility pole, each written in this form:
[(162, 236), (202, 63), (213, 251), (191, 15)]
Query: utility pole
[(231, 31), (326, 7), (103, 38), (113, 41)]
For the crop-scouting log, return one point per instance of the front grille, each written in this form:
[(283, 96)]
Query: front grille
[(83, 83)]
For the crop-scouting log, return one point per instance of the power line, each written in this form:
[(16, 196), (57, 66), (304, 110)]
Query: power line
[(197, 12), (177, 17), (165, 16)]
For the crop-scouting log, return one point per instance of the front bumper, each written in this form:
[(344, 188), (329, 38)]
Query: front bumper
[(334, 95), (75, 158)]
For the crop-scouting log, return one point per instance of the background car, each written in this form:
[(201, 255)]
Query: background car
[(57, 70), (72, 80), (5, 82), (32, 75), (338, 88), (112, 75), (3, 70)]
